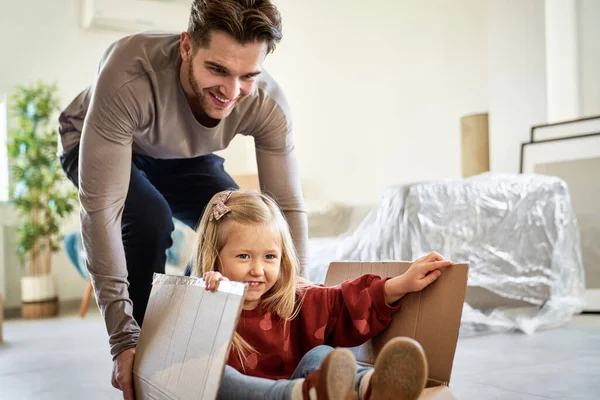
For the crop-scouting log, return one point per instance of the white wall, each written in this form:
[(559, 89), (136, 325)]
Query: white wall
[(562, 72), (377, 89), (527, 86), (49, 45), (588, 21), (517, 77)]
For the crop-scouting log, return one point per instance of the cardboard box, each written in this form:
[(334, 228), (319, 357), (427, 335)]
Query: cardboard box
[(431, 317), (184, 343), (475, 144)]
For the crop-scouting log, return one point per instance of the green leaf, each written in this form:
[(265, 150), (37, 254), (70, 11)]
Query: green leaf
[(35, 172)]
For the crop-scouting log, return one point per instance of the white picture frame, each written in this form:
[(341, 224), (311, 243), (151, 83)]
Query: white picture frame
[(565, 129), (577, 161)]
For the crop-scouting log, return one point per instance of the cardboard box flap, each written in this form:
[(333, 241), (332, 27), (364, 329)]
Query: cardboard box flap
[(437, 393), (432, 316), (184, 343)]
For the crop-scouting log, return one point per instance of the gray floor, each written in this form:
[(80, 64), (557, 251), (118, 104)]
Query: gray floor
[(67, 358)]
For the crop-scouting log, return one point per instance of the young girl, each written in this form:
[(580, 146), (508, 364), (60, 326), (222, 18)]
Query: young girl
[(284, 343)]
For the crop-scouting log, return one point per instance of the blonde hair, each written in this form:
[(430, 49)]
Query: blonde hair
[(250, 207)]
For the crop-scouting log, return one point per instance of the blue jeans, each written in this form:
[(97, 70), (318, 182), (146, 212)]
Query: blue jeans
[(235, 385), (159, 189)]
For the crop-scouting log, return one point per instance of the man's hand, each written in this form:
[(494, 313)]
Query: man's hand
[(122, 374), (421, 274)]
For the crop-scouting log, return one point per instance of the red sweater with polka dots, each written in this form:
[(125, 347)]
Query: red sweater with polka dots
[(346, 316)]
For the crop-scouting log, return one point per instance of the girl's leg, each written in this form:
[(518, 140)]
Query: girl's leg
[(360, 373), (334, 378), (311, 361), (400, 372), (329, 374), (235, 385)]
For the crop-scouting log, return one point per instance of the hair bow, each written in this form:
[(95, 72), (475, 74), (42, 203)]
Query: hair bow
[(219, 208)]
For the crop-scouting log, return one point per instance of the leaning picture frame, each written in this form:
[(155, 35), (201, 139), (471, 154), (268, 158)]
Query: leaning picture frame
[(576, 160), (565, 129)]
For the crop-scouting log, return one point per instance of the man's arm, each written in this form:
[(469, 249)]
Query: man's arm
[(280, 177), (104, 173)]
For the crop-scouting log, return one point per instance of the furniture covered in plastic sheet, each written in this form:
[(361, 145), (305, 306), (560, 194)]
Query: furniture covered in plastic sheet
[(518, 233)]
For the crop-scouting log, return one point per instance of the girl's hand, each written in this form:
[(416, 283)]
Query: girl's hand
[(212, 279), (424, 272), (419, 275)]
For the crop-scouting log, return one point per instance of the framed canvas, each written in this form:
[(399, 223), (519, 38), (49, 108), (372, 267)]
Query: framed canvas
[(566, 129), (576, 160)]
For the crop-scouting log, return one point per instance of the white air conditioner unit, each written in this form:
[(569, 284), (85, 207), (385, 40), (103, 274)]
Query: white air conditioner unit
[(136, 15)]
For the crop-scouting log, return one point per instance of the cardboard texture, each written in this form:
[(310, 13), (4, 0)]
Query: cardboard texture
[(475, 144), (184, 344), (437, 393), (431, 317)]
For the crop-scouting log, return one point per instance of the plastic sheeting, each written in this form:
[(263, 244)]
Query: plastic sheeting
[(518, 233)]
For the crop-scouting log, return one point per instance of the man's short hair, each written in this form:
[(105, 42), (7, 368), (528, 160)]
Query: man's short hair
[(246, 20)]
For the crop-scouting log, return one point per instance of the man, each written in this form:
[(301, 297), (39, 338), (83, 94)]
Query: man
[(138, 144)]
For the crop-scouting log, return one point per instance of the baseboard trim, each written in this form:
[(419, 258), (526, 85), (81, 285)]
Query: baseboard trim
[(592, 298), (65, 307)]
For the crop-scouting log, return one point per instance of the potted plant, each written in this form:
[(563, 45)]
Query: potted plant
[(38, 193)]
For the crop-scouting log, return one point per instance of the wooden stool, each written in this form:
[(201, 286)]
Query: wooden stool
[(86, 299)]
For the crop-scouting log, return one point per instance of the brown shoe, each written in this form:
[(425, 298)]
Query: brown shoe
[(400, 371), (334, 380)]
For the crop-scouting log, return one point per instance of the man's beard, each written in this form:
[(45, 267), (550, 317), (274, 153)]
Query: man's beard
[(199, 97), (201, 101)]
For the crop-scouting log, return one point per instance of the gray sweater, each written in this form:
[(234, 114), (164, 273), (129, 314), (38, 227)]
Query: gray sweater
[(137, 104)]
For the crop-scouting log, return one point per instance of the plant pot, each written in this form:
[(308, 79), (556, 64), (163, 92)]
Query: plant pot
[(38, 297)]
